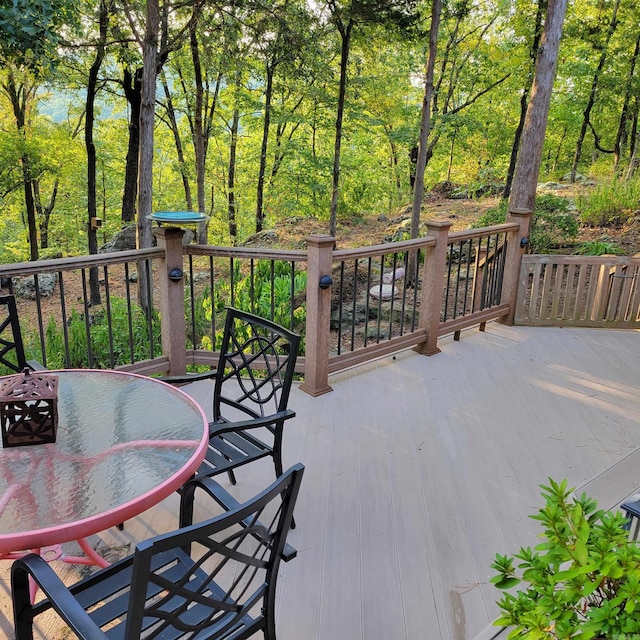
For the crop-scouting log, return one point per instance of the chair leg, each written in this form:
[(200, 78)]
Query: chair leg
[(232, 476), (22, 609), (277, 463)]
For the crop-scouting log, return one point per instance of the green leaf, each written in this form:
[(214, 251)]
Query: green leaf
[(581, 552), (505, 582)]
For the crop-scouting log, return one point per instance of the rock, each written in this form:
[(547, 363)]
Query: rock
[(200, 276), (125, 240), (267, 236), (385, 291), (26, 287), (551, 186), (444, 188), (122, 241)]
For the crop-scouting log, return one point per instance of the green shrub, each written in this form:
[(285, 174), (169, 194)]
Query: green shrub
[(101, 339), (582, 581), (597, 248), (266, 293), (552, 223), (610, 204)]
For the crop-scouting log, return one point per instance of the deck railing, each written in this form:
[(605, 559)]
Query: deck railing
[(350, 306), (584, 291), (76, 328)]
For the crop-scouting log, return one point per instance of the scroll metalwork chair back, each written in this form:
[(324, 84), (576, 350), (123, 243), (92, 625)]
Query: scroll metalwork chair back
[(11, 348), (251, 393), (206, 581), (12, 356)]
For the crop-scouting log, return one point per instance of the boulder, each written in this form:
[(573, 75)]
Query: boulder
[(125, 240), (26, 287)]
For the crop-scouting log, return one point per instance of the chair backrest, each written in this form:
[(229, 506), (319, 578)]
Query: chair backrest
[(255, 369), (225, 585), (11, 347)]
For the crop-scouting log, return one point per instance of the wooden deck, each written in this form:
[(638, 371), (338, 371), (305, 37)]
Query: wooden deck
[(418, 470)]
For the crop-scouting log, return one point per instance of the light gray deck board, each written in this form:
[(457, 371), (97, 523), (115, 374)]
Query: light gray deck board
[(418, 470)]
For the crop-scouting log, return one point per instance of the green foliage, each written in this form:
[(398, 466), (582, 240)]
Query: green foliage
[(101, 338), (610, 204), (266, 293), (552, 223), (597, 248), (29, 29), (582, 581)]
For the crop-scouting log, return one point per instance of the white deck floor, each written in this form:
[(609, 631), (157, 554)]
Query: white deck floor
[(418, 470)]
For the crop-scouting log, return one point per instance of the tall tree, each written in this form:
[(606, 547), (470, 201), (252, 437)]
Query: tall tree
[(392, 13), (541, 9), (21, 90), (147, 123), (29, 35), (278, 39), (523, 193), (425, 121), (625, 113), (104, 11), (595, 81)]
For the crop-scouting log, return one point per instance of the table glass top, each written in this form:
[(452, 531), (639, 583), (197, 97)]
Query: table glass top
[(119, 437)]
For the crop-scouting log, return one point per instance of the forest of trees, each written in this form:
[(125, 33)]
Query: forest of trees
[(272, 109)]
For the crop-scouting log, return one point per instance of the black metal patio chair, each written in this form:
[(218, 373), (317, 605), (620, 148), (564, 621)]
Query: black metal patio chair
[(206, 581), (12, 354), (252, 383)]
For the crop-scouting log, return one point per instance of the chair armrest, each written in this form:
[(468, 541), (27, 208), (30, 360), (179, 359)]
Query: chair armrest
[(224, 499), (253, 423), (60, 598), (188, 377)]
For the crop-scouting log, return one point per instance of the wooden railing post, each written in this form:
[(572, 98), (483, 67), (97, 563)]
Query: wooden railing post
[(318, 326), (432, 286), (516, 246), (171, 280)]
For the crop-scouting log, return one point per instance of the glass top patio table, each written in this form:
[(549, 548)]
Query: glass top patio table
[(124, 443)]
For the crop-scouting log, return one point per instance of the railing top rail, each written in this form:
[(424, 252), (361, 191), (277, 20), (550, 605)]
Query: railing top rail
[(79, 262), (380, 249), (481, 232), (245, 252), (533, 258)]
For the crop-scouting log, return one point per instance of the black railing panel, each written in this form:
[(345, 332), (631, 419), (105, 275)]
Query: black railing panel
[(265, 285), (70, 324), (374, 298)]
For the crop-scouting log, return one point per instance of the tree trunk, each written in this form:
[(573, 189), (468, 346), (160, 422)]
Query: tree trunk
[(523, 193), (20, 95), (586, 117), (198, 129), (43, 214), (345, 34), (92, 205), (425, 122), (30, 207), (263, 148), (231, 196), (145, 167), (132, 84), (524, 98), (624, 114), (173, 125)]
